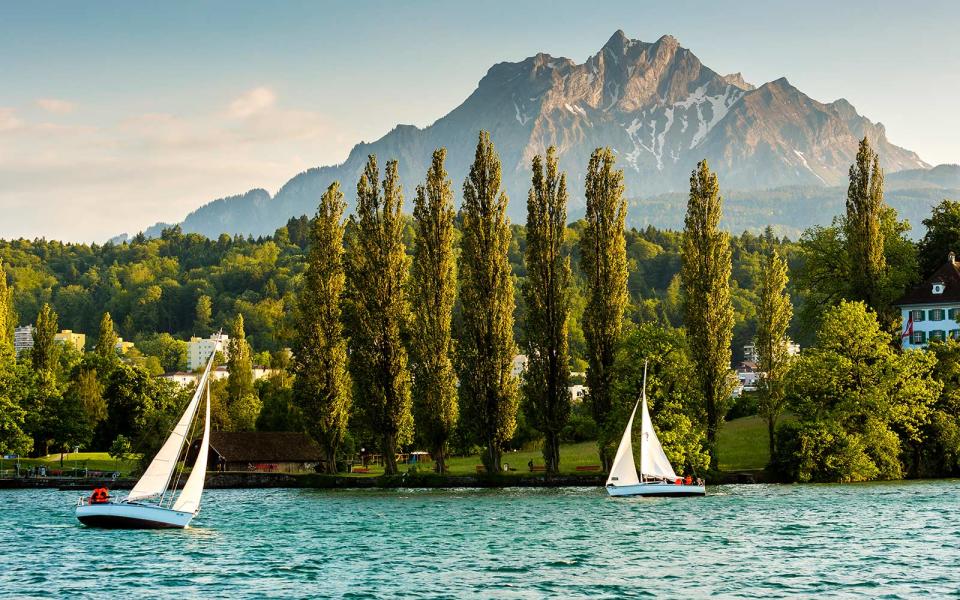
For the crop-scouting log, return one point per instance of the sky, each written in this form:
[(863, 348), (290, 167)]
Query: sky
[(116, 115)]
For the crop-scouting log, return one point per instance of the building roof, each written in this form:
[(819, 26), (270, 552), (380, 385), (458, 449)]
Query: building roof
[(264, 446), (948, 275)]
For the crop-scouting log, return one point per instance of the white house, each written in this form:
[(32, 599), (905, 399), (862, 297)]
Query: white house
[(200, 349), (23, 338), (931, 309), (577, 393)]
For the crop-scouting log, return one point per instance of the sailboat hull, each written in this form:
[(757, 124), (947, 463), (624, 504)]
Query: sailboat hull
[(664, 490), (123, 515)]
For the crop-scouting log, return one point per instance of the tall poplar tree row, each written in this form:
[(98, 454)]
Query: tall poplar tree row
[(864, 233), (433, 291), (322, 388), (547, 300), (705, 266), (488, 389), (603, 261), (378, 310), (774, 312), (13, 438), (6, 316)]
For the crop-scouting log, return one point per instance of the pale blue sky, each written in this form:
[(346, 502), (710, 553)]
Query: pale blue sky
[(114, 115)]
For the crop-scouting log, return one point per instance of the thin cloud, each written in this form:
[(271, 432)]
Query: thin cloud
[(56, 106), (8, 119), (252, 102)]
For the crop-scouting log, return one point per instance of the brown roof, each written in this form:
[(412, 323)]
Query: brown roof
[(949, 275), (264, 446)]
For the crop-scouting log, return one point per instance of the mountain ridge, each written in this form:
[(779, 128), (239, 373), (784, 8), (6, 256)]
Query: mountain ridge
[(654, 103)]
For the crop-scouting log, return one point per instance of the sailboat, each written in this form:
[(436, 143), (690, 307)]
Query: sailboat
[(656, 476), (153, 503)]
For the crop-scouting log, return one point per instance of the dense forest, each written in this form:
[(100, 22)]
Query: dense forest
[(376, 305)]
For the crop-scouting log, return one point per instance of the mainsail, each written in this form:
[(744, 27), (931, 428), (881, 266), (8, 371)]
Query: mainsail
[(157, 476), (189, 498)]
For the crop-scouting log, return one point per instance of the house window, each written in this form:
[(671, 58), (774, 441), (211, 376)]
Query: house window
[(937, 335), (938, 288), (955, 334), (918, 337), (916, 315), (952, 314), (936, 314)]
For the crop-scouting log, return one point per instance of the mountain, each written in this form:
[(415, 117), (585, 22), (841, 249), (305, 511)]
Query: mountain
[(655, 104)]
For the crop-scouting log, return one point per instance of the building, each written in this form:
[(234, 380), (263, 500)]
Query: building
[(23, 338), (189, 378), (930, 310), (519, 365), (68, 337), (577, 393), (748, 376), (266, 451), (750, 351), (123, 347), (200, 349), (182, 378)]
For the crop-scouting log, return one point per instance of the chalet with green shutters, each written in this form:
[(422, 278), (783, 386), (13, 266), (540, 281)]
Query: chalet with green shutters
[(930, 310)]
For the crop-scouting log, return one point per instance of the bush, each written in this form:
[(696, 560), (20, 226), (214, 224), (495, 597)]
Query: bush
[(580, 428), (744, 406), (821, 452)]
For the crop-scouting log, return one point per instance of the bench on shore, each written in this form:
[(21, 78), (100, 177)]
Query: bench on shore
[(538, 469), (588, 468), (481, 469), (360, 469)]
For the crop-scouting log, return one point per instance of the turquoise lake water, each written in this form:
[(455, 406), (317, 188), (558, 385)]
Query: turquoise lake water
[(880, 540)]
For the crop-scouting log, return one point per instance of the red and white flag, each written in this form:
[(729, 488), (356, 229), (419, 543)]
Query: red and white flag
[(908, 330)]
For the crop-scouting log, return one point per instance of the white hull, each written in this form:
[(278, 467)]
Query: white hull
[(656, 489), (123, 515)]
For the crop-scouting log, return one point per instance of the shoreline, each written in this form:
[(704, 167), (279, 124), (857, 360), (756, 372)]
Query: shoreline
[(246, 480)]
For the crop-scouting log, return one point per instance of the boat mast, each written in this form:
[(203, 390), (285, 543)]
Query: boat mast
[(643, 401)]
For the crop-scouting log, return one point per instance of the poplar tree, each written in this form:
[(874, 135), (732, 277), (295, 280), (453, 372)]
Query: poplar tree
[(44, 354), (6, 315), (774, 312), (488, 389), (433, 291), (547, 301), (378, 310), (107, 339), (322, 388), (603, 252), (864, 233), (705, 267), (242, 400)]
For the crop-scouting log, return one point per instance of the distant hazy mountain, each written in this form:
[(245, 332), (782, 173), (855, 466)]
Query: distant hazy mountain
[(655, 104)]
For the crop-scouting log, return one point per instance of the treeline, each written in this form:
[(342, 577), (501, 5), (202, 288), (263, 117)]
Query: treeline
[(404, 327)]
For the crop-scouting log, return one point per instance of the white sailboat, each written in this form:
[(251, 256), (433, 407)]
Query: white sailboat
[(656, 476), (150, 504)]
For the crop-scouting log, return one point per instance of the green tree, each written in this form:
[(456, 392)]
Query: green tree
[(239, 363), (942, 236), (546, 298), (322, 387), (859, 403), (674, 398), (488, 390), (774, 312), (378, 310), (6, 315), (107, 339), (45, 352), (120, 449), (604, 265), (938, 454), (705, 283), (863, 229), (203, 313), (433, 289)]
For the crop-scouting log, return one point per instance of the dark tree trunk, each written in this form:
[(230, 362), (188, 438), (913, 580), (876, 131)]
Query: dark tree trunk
[(390, 454), (551, 452), (771, 430), (440, 459)]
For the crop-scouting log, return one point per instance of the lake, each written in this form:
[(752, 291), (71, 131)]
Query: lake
[(875, 540)]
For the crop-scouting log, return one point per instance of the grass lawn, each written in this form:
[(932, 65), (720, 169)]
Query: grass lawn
[(94, 461), (743, 444)]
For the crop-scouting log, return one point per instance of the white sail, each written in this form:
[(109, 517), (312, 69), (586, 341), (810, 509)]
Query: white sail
[(189, 499), (155, 479), (624, 470), (653, 462)]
